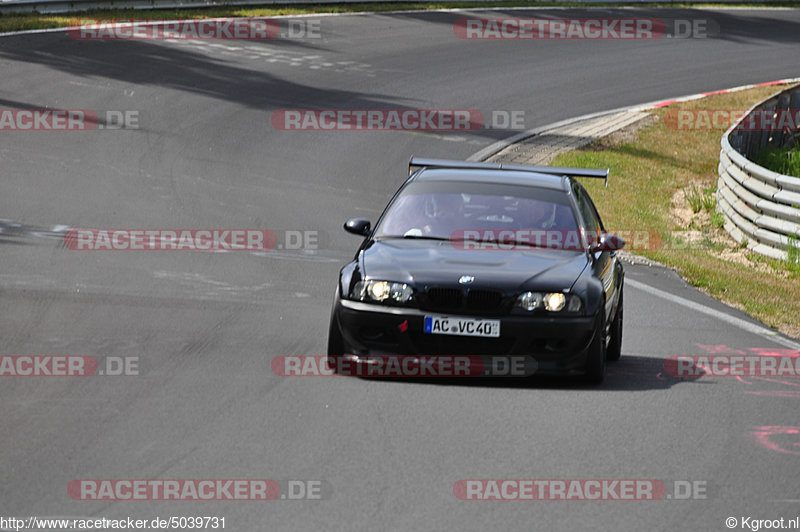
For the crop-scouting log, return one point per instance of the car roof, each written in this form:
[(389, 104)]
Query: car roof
[(505, 177)]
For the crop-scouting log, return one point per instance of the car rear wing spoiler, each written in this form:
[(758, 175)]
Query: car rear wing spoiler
[(420, 162)]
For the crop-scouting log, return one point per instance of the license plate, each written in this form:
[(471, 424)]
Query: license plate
[(462, 326)]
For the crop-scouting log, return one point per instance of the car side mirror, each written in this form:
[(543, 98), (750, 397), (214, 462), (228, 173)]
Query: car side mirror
[(358, 226), (608, 242)]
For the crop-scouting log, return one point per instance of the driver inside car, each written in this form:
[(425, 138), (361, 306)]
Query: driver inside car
[(444, 214), (541, 215)]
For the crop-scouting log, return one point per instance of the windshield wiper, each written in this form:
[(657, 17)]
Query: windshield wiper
[(415, 237), (516, 244)]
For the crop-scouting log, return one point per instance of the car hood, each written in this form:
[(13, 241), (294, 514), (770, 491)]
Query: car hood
[(429, 262)]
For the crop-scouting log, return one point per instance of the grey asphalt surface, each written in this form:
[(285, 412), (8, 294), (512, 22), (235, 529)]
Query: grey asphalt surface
[(205, 326)]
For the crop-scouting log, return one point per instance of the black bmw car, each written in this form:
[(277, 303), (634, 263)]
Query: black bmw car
[(488, 260)]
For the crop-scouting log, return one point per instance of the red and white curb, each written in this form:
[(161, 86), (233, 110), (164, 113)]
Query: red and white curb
[(665, 103), (500, 145)]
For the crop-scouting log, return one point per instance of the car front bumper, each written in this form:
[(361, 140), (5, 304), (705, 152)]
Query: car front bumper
[(558, 345)]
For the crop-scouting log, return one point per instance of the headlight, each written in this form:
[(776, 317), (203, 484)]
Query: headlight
[(552, 302), (574, 304), (382, 291), (530, 301), (555, 301)]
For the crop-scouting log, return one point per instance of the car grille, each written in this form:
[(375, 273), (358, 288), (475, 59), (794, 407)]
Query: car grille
[(445, 297), (484, 299), (473, 300)]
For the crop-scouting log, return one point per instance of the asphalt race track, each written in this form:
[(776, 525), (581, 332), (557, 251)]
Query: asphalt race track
[(203, 327)]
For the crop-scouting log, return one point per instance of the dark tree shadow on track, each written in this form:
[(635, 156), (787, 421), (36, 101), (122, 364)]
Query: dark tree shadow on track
[(738, 26), (173, 67)]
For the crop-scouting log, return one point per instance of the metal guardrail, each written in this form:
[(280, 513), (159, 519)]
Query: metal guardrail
[(761, 207), (64, 6)]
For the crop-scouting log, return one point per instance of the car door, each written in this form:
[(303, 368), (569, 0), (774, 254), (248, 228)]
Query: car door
[(604, 263)]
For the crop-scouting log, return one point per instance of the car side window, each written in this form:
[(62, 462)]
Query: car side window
[(593, 211), (578, 191), (588, 212)]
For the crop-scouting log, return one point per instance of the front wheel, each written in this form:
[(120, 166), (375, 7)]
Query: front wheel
[(335, 345), (596, 357), (615, 344)]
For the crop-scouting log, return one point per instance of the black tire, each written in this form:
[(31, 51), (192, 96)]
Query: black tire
[(596, 356), (614, 350), (335, 345)]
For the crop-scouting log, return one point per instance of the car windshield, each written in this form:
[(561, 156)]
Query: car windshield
[(457, 211)]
